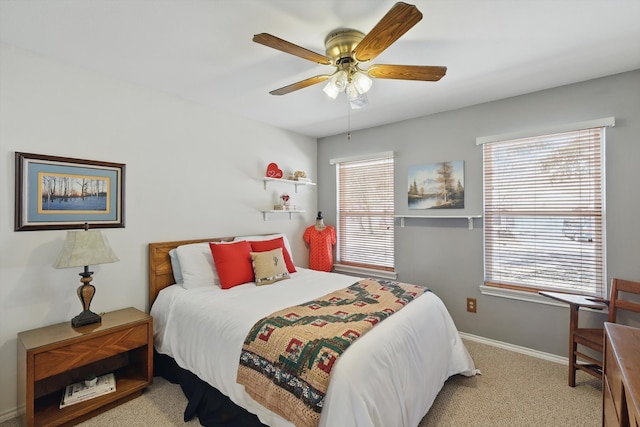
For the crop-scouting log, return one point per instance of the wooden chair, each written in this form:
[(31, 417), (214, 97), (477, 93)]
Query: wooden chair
[(593, 338)]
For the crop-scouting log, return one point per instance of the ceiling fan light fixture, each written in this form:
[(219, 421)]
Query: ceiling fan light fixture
[(336, 84), (361, 81), (341, 79), (360, 102), (331, 90), (357, 100)]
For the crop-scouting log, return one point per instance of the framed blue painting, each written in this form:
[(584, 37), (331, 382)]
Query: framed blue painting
[(59, 193)]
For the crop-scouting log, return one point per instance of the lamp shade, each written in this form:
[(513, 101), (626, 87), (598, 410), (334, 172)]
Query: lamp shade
[(82, 248)]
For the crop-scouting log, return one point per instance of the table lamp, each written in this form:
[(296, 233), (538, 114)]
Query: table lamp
[(82, 248)]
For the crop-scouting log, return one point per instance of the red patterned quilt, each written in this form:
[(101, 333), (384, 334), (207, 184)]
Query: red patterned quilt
[(287, 357)]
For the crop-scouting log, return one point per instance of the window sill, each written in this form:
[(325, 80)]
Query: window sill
[(366, 272), (527, 296)]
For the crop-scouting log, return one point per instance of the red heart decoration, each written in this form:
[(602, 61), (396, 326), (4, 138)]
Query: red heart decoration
[(273, 171)]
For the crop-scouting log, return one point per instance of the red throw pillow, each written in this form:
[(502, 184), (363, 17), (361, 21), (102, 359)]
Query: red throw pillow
[(269, 245), (233, 263)]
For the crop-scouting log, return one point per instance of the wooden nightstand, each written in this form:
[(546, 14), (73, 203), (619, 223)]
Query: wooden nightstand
[(53, 357)]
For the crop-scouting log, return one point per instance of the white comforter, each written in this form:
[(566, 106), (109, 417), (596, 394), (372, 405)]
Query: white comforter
[(388, 377)]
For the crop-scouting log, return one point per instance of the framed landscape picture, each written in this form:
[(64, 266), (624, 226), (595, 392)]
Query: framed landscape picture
[(436, 185), (63, 193)]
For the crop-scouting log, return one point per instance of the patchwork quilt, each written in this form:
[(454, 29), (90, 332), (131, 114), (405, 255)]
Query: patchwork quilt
[(287, 357)]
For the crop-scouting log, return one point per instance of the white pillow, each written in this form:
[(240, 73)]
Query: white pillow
[(256, 238), (175, 267), (196, 263)]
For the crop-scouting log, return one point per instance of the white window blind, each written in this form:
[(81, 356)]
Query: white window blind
[(543, 212), (365, 213)]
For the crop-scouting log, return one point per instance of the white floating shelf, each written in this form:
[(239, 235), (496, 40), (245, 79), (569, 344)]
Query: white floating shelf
[(286, 181), (469, 218), (280, 211)]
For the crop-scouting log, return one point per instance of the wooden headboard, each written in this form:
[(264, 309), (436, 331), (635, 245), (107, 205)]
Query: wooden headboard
[(160, 271)]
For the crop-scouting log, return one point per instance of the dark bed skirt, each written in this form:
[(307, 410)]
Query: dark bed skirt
[(204, 401)]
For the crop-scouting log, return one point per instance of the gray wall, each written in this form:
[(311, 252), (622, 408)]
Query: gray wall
[(444, 255)]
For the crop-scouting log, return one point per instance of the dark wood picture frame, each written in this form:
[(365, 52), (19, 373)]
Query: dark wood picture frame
[(58, 193)]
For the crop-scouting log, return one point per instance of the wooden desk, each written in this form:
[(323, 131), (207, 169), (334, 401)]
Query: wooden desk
[(593, 366), (621, 380), (575, 300)]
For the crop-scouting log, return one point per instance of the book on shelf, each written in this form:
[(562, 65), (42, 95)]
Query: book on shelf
[(82, 391)]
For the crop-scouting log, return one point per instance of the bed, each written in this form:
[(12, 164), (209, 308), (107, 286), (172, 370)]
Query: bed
[(390, 376)]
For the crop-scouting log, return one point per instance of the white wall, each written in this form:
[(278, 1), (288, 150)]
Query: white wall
[(190, 172)]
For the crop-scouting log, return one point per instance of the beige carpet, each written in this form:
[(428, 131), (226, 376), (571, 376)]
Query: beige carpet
[(513, 390), (516, 390)]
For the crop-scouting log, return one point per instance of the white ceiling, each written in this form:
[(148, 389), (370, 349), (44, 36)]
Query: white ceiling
[(201, 50)]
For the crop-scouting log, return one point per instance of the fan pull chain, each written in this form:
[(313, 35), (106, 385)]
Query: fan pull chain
[(348, 121)]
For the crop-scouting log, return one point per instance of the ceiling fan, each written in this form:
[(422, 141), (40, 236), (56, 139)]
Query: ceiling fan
[(346, 49)]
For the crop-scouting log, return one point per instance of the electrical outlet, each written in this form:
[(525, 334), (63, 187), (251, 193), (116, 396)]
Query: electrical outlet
[(471, 305)]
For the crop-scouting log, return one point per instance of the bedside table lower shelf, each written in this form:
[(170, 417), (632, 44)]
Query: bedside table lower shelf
[(53, 357), (47, 412)]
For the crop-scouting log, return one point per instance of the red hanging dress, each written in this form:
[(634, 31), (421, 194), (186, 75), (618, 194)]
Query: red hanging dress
[(320, 247)]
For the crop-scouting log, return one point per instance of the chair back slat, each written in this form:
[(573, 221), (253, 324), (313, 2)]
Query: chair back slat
[(617, 301), (627, 305)]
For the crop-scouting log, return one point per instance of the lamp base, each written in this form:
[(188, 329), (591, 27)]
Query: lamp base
[(87, 317)]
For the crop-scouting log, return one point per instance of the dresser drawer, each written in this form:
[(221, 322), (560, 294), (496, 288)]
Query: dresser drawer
[(64, 358), (634, 415), (610, 415), (614, 380)]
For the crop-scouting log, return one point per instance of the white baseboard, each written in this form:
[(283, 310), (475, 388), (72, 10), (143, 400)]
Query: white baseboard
[(8, 415), (516, 348)]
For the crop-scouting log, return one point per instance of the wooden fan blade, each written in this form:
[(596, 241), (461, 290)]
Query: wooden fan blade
[(300, 85), (400, 18), (407, 72), (287, 47)]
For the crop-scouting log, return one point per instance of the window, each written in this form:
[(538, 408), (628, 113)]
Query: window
[(365, 213), (544, 212)]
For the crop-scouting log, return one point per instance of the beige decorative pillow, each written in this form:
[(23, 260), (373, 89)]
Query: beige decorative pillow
[(269, 266)]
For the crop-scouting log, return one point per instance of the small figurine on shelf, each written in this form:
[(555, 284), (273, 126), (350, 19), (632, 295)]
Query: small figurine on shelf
[(301, 176), (298, 176), (285, 201)]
